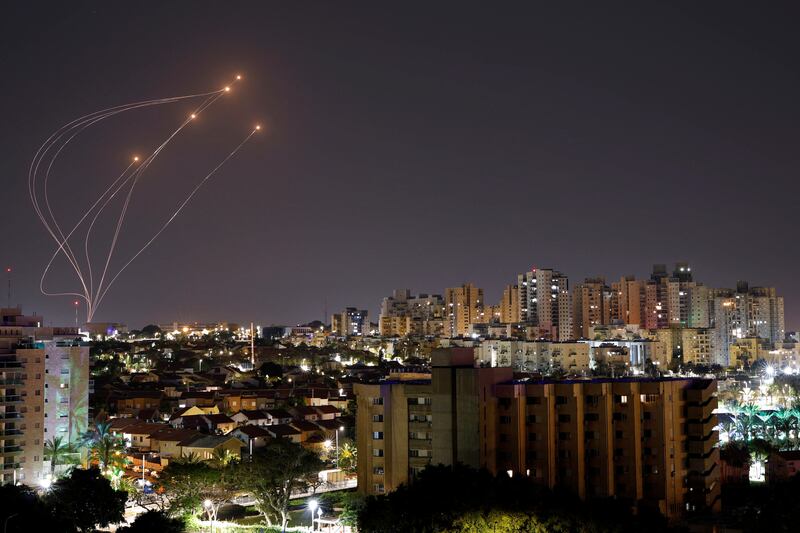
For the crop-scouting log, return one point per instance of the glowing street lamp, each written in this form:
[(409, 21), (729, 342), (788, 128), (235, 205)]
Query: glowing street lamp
[(312, 506)]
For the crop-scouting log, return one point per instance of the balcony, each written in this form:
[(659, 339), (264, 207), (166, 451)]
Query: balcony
[(10, 400), (705, 462), (10, 416), (11, 432), (11, 381), (10, 451), (9, 466), (702, 446), (702, 429)]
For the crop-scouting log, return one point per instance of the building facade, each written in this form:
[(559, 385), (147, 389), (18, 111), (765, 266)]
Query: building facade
[(44, 393), (651, 442)]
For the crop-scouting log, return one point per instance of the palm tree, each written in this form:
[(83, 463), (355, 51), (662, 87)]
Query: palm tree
[(784, 419), (104, 446), (58, 451), (223, 457), (746, 418)]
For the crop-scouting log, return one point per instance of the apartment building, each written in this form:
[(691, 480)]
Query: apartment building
[(651, 442), (464, 305), (351, 321), (44, 392)]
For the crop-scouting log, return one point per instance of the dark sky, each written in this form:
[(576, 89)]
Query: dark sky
[(415, 145)]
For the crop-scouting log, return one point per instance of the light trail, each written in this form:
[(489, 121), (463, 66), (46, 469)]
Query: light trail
[(39, 173)]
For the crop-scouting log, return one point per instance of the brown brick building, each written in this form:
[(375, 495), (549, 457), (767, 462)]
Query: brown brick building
[(651, 442)]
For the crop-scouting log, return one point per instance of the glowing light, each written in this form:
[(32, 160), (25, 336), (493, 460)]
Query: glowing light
[(207, 503), (258, 127), (227, 89), (327, 444), (135, 158), (192, 116), (312, 505), (45, 483), (238, 76)]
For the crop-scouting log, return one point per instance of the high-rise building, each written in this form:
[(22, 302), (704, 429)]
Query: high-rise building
[(649, 442), (544, 300), (404, 314), (744, 312), (590, 301), (351, 321), (509, 305), (463, 306), (676, 300), (627, 301), (44, 393)]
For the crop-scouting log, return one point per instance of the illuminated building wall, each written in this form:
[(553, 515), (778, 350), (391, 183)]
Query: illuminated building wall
[(44, 393)]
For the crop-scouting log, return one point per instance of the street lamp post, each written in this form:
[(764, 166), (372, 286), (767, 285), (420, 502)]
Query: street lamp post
[(312, 506), (208, 504), (341, 428)]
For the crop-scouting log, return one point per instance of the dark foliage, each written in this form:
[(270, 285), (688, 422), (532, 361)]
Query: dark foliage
[(442, 495)]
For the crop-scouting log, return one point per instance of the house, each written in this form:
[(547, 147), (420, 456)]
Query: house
[(149, 415), (207, 446), (198, 398), (138, 435), (330, 427), (213, 423), (251, 417), (305, 412), (278, 416), (220, 423), (327, 412), (194, 411), (283, 431), (253, 437), (167, 442), (116, 425), (131, 402), (307, 429)]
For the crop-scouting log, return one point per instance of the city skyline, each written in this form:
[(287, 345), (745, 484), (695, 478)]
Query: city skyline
[(458, 147)]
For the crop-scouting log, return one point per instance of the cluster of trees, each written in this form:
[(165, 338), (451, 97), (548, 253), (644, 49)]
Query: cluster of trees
[(95, 497), (463, 500), (82, 501), (190, 487)]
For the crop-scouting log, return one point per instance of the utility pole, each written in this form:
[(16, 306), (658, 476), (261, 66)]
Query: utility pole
[(77, 303)]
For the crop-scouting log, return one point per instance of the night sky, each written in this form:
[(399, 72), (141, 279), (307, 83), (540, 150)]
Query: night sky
[(417, 145)]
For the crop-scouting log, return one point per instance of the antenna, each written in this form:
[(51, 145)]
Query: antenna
[(252, 345), (8, 271)]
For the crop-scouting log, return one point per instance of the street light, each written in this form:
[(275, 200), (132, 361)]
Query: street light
[(341, 428), (319, 519), (208, 505), (312, 506)]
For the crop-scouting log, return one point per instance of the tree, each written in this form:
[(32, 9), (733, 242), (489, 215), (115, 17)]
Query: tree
[(21, 510), (270, 369), (151, 331), (348, 457), (155, 521), (105, 447), (86, 499), (58, 451), (189, 484), (275, 472)]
